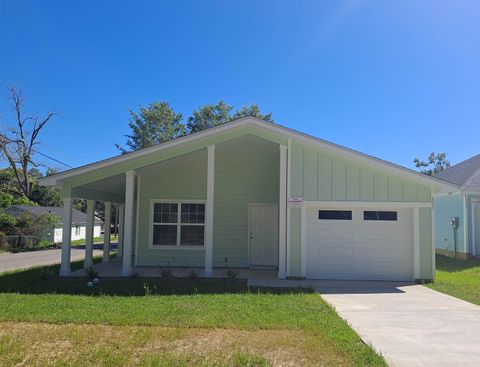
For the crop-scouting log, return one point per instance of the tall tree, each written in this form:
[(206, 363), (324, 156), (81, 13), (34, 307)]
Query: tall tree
[(208, 116), (434, 163), (18, 141), (253, 110), (154, 124)]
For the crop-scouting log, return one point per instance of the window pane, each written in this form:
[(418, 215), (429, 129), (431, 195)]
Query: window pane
[(192, 235), (164, 235), (193, 213), (335, 214), (165, 212), (379, 215)]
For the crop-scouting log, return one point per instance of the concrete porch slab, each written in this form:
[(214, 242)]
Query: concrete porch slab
[(112, 269)]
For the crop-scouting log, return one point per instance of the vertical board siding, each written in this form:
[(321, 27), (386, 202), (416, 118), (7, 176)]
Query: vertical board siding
[(297, 171), (246, 171), (295, 242), (324, 175), (367, 185), (340, 180), (339, 190), (381, 187), (353, 183), (337, 179), (447, 207), (310, 175), (425, 231)]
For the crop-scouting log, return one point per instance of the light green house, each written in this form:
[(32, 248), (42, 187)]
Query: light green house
[(253, 194)]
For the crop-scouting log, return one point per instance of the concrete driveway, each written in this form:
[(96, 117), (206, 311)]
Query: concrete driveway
[(410, 325), (23, 260)]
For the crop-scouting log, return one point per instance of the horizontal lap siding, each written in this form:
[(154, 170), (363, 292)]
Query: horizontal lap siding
[(469, 222), (183, 178), (447, 207), (246, 171)]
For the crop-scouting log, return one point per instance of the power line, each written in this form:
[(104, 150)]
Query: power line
[(53, 159), (45, 155)]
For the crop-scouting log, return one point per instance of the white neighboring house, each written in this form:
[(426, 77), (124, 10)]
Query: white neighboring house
[(79, 220)]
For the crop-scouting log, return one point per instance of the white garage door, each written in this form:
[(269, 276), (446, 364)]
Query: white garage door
[(358, 243)]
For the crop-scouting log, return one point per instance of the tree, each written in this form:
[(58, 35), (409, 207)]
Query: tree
[(208, 116), (252, 110), (435, 163), (154, 124), (19, 140)]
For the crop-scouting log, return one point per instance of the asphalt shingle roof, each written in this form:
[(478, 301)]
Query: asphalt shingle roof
[(465, 174)]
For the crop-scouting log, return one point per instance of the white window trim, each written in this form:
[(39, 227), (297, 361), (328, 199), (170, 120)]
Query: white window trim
[(176, 247)]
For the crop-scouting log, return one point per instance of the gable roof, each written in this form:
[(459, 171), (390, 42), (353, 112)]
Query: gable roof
[(465, 174), (289, 133), (77, 216)]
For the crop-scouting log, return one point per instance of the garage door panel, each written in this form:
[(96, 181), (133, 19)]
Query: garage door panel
[(360, 249)]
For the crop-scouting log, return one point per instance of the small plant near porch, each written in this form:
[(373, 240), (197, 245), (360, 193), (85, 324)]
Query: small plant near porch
[(181, 322)]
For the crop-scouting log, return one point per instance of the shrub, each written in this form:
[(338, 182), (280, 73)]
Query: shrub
[(231, 273), (193, 274), (91, 273), (166, 273)]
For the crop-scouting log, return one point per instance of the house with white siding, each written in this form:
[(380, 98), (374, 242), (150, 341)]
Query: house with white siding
[(78, 221)]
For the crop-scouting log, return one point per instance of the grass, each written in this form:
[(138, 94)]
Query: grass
[(46, 320), (458, 278), (113, 238)]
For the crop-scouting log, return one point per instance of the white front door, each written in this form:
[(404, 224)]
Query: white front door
[(263, 234), (476, 227)]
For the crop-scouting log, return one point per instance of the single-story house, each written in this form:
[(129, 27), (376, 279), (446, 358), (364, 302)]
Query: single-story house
[(460, 235), (78, 220), (254, 194)]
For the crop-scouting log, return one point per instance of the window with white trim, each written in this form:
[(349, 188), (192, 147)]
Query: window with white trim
[(178, 224), (77, 230)]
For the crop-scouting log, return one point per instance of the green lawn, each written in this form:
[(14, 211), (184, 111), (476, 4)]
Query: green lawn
[(459, 278), (169, 322)]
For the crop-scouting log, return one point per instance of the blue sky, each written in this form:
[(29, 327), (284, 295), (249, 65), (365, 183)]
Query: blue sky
[(394, 79)]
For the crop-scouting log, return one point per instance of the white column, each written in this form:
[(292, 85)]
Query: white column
[(121, 221), (106, 234), (282, 215), (209, 208), (416, 243), (66, 236), (128, 229), (89, 234)]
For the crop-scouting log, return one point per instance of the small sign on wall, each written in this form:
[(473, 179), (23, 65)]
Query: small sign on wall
[(295, 202)]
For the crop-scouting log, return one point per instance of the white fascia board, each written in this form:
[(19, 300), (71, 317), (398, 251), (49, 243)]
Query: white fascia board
[(335, 149)]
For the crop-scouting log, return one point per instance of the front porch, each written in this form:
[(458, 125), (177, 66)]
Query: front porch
[(113, 269), (220, 206)]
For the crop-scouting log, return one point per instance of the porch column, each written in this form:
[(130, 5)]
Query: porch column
[(209, 209), (282, 215), (89, 234), (66, 235), (128, 229), (106, 233), (121, 222)]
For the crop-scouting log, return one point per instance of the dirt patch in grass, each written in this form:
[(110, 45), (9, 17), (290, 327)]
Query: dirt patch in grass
[(40, 344)]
